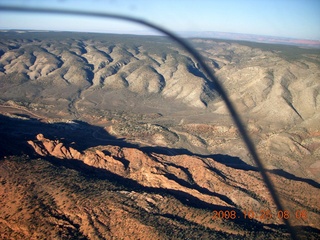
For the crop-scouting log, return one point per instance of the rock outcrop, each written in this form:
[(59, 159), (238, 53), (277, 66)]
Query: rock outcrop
[(205, 179)]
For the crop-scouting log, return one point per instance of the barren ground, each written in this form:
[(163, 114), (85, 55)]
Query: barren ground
[(136, 142)]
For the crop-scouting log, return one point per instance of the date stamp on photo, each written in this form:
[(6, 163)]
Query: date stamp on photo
[(259, 215)]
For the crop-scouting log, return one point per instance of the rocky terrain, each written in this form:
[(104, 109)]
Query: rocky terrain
[(58, 188), (124, 137)]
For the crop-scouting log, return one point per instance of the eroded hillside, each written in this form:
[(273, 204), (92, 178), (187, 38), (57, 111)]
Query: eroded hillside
[(115, 135), (82, 71), (136, 81)]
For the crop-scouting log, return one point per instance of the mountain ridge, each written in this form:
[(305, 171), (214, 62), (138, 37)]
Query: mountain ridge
[(115, 135), (64, 64)]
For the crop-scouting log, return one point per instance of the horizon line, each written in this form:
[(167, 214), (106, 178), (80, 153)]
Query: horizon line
[(267, 39)]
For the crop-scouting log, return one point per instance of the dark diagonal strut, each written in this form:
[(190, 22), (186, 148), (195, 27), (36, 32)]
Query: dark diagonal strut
[(205, 68)]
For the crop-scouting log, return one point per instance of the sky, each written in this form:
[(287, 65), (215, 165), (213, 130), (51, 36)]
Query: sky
[(298, 19)]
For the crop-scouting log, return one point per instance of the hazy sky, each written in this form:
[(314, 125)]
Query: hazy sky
[(286, 18)]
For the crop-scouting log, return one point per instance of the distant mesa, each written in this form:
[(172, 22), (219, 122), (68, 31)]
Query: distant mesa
[(254, 38)]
